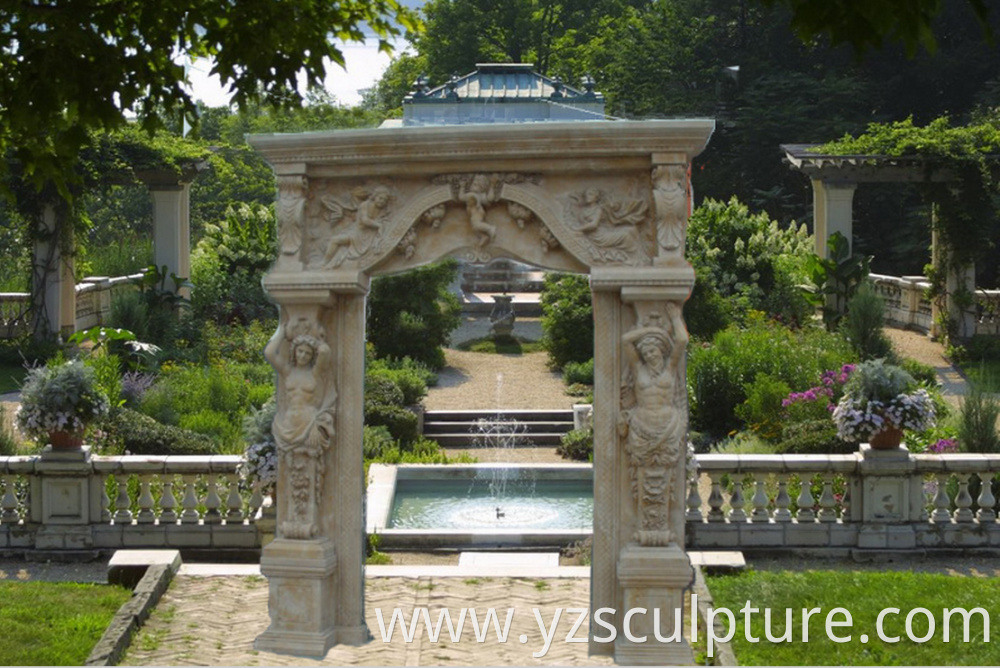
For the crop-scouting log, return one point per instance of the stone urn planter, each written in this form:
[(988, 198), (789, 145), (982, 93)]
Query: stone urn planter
[(65, 440), (887, 439)]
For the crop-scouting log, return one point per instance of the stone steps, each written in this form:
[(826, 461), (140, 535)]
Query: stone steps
[(515, 428)]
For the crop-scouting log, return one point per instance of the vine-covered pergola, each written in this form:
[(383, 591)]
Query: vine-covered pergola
[(835, 178)]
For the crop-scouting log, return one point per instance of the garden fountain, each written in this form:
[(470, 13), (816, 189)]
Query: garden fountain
[(495, 503)]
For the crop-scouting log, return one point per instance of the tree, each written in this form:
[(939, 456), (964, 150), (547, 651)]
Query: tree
[(73, 66)]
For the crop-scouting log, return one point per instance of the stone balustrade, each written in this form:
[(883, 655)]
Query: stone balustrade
[(907, 305), (872, 499), (93, 304), (74, 501), (906, 302)]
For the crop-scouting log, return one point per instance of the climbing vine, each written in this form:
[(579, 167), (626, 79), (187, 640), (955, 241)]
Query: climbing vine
[(119, 157), (961, 174)]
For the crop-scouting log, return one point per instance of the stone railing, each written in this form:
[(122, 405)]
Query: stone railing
[(907, 306), (73, 501), (93, 304), (873, 499), (906, 303)]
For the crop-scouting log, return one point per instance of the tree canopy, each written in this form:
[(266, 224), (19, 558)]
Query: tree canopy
[(72, 66)]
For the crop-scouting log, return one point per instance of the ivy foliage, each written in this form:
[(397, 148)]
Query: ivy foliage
[(961, 174)]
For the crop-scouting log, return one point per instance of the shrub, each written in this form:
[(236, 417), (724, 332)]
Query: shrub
[(384, 406), (214, 424), (720, 373), (409, 382), (567, 319), (142, 435), (579, 373), (922, 373), (706, 312), (8, 443), (377, 441), (228, 263), (762, 409), (977, 421), (748, 260), (413, 315), (577, 445), (134, 386), (863, 323), (813, 437)]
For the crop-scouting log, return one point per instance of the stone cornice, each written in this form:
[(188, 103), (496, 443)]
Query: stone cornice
[(399, 148)]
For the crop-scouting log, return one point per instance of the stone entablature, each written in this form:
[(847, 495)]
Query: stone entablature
[(606, 198)]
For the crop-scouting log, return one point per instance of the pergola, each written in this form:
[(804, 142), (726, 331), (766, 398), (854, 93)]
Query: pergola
[(55, 270), (834, 180)]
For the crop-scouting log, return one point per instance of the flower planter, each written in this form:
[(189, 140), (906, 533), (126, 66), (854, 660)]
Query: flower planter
[(887, 439), (65, 440)]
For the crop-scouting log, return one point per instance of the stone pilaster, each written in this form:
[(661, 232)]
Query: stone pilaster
[(640, 423), (315, 565), (68, 492), (833, 211)]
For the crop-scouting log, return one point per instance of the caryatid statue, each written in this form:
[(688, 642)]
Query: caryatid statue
[(653, 420)]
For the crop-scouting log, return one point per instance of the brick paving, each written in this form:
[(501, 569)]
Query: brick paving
[(214, 620)]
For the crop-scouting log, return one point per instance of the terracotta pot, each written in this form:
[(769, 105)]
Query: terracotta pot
[(65, 440), (887, 439)]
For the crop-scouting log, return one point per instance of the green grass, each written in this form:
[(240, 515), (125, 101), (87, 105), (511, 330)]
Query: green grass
[(985, 373), (504, 345), (11, 376), (864, 595), (54, 624)]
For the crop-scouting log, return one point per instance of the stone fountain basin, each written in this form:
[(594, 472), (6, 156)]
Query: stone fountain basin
[(552, 488)]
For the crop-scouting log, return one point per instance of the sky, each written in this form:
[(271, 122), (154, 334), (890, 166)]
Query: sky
[(365, 65)]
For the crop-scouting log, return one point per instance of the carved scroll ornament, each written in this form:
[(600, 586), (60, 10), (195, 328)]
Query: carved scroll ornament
[(653, 419), (292, 194), (671, 202)]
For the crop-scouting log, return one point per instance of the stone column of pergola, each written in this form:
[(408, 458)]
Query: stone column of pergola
[(606, 198)]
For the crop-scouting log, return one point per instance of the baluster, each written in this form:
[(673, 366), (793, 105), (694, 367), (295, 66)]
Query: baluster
[(845, 504), (827, 502), (942, 504), (190, 502), (123, 504), (105, 500), (9, 505), (257, 500), (212, 501), (715, 500), (782, 501), (963, 500), (234, 501), (736, 502), (168, 502), (693, 513), (146, 514), (986, 499), (760, 502), (805, 501)]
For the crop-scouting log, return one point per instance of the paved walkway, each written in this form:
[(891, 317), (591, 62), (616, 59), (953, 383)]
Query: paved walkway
[(214, 621)]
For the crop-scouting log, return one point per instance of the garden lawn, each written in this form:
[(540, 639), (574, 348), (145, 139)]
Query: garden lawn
[(864, 595), (54, 624), (11, 376), (985, 372)]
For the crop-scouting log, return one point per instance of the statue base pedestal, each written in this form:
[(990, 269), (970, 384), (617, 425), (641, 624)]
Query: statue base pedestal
[(301, 578), (653, 579)]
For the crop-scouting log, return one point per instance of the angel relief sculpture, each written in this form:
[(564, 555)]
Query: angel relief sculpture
[(303, 426), (653, 420), (357, 227), (613, 228)]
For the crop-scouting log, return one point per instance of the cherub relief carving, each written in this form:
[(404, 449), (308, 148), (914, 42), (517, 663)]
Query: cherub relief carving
[(477, 196), (653, 419), (670, 200), (361, 230), (303, 427), (613, 228)]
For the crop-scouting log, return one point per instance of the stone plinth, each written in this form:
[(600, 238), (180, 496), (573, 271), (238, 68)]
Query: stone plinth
[(302, 578), (70, 499), (890, 492), (653, 578)]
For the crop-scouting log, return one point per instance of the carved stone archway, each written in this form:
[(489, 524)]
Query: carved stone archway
[(607, 198)]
